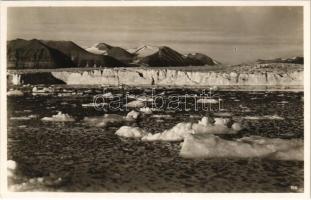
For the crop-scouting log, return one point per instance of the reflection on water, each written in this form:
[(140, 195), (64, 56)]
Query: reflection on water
[(74, 156)]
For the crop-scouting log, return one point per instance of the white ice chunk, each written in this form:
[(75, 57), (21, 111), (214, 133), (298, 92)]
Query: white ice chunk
[(135, 104), (204, 126), (59, 117), (205, 100), (146, 110), (11, 166), (108, 95), (211, 146), (131, 132), (15, 93), (132, 116), (265, 117), (104, 121)]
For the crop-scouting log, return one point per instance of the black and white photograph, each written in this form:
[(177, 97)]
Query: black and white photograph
[(155, 99)]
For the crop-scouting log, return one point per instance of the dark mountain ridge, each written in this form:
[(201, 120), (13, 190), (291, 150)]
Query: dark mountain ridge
[(54, 54)]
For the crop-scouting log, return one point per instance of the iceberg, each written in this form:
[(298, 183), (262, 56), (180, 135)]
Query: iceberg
[(11, 166), (131, 132), (132, 116), (59, 117), (15, 93), (211, 101), (104, 121), (204, 126), (135, 104), (264, 117), (211, 146), (146, 110)]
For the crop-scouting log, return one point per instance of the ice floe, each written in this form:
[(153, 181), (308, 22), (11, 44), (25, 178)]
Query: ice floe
[(59, 117), (131, 132), (104, 121), (264, 117), (183, 129), (135, 104), (211, 146), (144, 98), (87, 105), (11, 166), (177, 133), (211, 101), (283, 102), (132, 116), (43, 90), (15, 93), (223, 114), (162, 116), (146, 110), (111, 119), (23, 118), (108, 95)]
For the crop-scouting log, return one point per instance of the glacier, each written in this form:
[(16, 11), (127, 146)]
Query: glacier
[(170, 77)]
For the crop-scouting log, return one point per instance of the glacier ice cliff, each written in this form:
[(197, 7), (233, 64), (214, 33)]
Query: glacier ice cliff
[(235, 76)]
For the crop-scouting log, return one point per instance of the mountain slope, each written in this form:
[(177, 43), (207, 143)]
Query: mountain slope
[(166, 56), (294, 60), (200, 59), (31, 54), (83, 58), (36, 54), (115, 52)]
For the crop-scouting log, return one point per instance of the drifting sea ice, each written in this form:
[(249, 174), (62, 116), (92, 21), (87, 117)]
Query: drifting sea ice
[(211, 146), (111, 119), (265, 117), (132, 116), (146, 110), (11, 166), (59, 117), (94, 105), (43, 90), (108, 95), (15, 93), (104, 121), (211, 101), (27, 184), (131, 132), (135, 104), (183, 129), (22, 118)]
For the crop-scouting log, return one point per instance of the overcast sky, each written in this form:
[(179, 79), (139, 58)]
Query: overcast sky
[(228, 34)]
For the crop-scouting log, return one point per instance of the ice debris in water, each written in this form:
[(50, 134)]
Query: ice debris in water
[(132, 116), (265, 117), (59, 117), (162, 116), (23, 118), (108, 95), (204, 126), (11, 167), (94, 104), (131, 132), (145, 98), (111, 119), (15, 93), (43, 90), (211, 146), (146, 110), (205, 100), (135, 104), (183, 129), (223, 114), (104, 121)]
